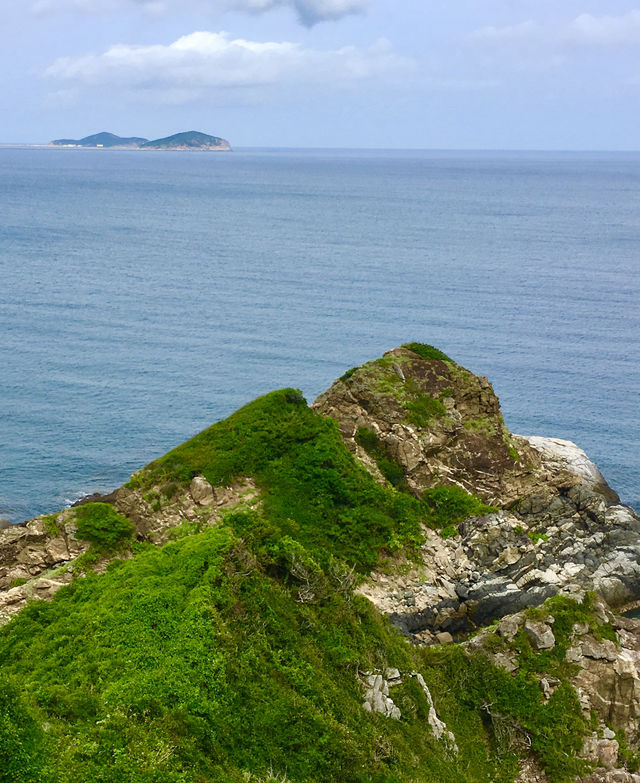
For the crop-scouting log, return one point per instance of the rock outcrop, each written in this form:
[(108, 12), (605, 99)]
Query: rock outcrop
[(559, 526)]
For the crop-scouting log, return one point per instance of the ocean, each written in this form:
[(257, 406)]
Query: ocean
[(145, 295)]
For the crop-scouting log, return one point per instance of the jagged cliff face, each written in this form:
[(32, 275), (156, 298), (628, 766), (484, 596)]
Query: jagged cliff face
[(559, 527)]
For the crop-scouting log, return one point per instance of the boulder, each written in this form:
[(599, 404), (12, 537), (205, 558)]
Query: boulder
[(202, 492), (540, 635)]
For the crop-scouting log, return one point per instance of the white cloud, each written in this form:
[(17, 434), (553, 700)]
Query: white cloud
[(584, 30), (309, 12), (508, 33), (202, 61), (605, 30)]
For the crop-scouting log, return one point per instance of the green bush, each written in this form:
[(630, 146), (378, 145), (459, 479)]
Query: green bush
[(376, 449), (102, 526), (450, 505), (425, 351)]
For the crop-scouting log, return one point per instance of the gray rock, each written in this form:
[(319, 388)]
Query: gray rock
[(509, 626), (540, 635), (599, 650), (201, 491)]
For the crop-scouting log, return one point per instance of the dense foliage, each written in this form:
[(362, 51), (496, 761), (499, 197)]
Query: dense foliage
[(102, 526)]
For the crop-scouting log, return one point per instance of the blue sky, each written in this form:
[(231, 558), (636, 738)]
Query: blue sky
[(472, 74)]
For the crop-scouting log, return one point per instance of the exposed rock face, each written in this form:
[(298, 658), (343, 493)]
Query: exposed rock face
[(559, 528), (33, 561), (460, 438), (377, 697)]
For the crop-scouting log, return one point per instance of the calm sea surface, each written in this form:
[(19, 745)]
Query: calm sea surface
[(145, 295)]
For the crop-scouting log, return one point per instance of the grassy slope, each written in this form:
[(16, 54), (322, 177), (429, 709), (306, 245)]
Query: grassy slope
[(233, 654)]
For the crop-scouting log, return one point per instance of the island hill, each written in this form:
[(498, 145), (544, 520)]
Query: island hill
[(189, 140)]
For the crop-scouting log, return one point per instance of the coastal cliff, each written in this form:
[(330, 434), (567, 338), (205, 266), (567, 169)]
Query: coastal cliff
[(232, 612)]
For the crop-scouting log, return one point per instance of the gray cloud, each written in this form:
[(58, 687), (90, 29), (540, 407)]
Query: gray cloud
[(203, 61), (309, 12)]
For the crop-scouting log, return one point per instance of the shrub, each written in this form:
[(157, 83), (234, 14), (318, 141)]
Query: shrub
[(389, 468), (21, 739), (425, 351), (102, 526), (450, 505)]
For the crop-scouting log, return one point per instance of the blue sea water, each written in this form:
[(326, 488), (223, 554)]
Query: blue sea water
[(145, 295)]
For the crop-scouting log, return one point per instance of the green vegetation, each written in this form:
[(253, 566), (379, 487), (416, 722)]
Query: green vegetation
[(345, 376), (427, 351), (102, 526), (233, 655), (378, 450), (514, 712), (213, 657), (450, 505), (192, 139), (311, 487), (481, 425), (515, 705), (51, 525), (534, 536), (423, 408), (18, 581), (21, 737)]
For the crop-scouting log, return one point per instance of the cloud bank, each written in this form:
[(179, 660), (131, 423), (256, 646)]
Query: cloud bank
[(203, 61), (309, 12), (584, 30)]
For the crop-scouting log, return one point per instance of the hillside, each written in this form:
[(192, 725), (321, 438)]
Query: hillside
[(277, 599), (187, 141)]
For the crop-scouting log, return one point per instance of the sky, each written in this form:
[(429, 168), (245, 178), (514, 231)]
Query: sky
[(426, 74)]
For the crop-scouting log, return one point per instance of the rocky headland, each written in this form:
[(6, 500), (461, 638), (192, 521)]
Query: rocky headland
[(524, 553)]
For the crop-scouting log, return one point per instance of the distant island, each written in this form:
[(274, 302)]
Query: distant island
[(189, 140)]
